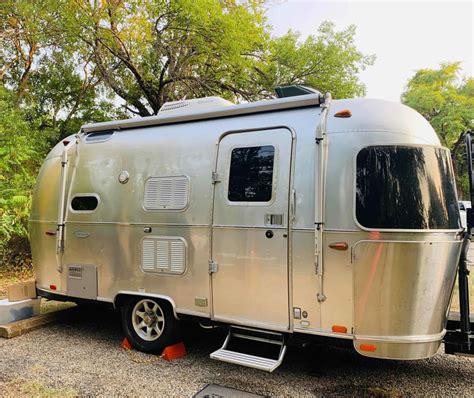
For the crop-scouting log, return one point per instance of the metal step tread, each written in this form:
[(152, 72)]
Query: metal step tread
[(251, 361)]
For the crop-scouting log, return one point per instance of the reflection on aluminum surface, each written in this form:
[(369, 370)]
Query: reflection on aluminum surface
[(404, 187)]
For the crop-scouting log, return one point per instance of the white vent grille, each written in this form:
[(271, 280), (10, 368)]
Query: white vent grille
[(166, 193), (164, 255), (177, 256), (148, 255)]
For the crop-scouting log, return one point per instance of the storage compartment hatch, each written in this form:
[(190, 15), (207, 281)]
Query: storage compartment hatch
[(82, 281)]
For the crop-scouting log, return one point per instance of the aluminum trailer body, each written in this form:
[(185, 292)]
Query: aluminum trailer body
[(279, 216)]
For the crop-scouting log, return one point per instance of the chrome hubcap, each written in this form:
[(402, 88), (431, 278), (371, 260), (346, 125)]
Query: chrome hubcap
[(148, 320)]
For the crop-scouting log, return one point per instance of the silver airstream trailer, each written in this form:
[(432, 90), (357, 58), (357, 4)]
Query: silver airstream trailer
[(292, 216)]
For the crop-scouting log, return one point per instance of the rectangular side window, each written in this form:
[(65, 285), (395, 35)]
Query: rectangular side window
[(403, 187), (251, 174)]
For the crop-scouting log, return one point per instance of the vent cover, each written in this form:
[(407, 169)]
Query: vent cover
[(166, 193), (75, 271), (164, 255)]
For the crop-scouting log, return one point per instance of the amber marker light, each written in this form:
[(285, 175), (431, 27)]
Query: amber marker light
[(339, 329), (339, 246), (345, 113), (367, 347)]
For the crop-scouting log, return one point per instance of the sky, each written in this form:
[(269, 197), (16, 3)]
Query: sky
[(404, 35)]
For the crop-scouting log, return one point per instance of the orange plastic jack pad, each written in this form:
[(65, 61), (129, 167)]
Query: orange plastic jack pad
[(174, 351), (126, 344)]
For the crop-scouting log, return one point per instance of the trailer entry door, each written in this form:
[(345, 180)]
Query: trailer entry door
[(250, 229)]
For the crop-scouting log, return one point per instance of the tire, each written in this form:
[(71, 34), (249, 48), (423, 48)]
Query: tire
[(149, 324)]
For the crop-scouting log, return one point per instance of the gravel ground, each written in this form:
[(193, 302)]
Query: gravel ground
[(82, 356)]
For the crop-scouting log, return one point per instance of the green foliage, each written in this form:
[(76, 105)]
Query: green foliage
[(444, 99), (21, 153), (150, 52), (447, 102), (329, 61)]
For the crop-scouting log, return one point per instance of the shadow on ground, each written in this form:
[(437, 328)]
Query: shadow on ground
[(311, 370)]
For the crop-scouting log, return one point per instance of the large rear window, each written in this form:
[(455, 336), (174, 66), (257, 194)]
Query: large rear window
[(402, 187)]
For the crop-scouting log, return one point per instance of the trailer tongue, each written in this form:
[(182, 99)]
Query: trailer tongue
[(459, 338)]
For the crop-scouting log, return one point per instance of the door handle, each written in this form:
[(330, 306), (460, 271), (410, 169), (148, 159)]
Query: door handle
[(147, 230), (269, 234)]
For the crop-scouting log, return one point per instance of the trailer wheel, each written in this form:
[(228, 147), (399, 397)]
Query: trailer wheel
[(149, 324)]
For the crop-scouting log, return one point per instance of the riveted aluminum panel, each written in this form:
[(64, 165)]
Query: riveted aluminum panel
[(402, 291)]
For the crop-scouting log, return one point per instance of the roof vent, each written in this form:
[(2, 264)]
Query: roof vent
[(192, 105), (294, 90)]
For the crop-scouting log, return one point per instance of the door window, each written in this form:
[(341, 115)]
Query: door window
[(251, 174)]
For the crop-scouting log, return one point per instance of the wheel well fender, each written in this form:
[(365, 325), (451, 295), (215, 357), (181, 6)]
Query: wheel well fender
[(121, 297)]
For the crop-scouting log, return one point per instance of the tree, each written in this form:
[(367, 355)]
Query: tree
[(44, 74), (447, 101), (328, 61), (150, 52), (444, 99), (21, 153), (66, 93), (25, 28)]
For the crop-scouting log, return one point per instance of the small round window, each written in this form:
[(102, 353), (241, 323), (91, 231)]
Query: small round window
[(84, 203)]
